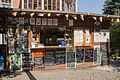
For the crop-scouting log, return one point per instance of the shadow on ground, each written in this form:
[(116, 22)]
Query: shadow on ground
[(31, 77), (9, 74), (115, 64), (14, 74)]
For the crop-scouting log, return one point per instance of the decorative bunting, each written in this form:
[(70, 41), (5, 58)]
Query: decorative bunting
[(58, 14), (49, 14), (40, 14), (118, 20), (112, 20), (67, 16), (23, 13), (75, 17), (32, 14), (14, 13), (108, 15), (88, 13), (82, 17), (95, 18), (101, 19)]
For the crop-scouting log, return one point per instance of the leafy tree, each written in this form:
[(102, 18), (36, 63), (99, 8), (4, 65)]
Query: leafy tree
[(112, 7)]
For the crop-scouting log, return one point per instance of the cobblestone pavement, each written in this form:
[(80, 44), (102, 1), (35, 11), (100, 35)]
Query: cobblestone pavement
[(68, 74)]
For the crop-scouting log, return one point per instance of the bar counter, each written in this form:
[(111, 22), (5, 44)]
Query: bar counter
[(50, 47)]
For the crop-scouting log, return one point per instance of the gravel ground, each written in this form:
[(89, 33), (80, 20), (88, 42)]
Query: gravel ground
[(68, 74), (111, 72)]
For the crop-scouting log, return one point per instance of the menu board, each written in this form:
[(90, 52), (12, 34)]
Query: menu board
[(50, 57), (104, 59), (103, 47), (60, 57), (70, 59), (38, 62), (80, 55), (89, 54), (27, 60), (97, 55)]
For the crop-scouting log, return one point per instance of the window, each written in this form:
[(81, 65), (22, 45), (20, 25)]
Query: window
[(30, 4), (66, 6), (58, 4), (49, 4), (63, 5), (25, 4), (35, 4), (54, 4), (45, 4), (39, 4), (6, 1)]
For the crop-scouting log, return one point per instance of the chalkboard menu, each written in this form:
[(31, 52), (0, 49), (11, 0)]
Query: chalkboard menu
[(80, 55), (50, 57), (38, 62), (103, 47), (104, 59), (27, 60), (70, 59), (60, 56), (89, 54), (97, 56)]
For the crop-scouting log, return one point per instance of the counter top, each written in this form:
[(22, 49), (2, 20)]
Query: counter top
[(51, 47)]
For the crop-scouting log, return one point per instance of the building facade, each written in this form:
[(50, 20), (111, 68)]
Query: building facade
[(5, 3), (57, 5)]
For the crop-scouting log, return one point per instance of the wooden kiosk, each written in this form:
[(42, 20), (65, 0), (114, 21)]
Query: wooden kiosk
[(58, 39)]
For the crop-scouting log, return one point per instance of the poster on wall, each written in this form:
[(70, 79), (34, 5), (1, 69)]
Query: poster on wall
[(15, 61), (70, 22), (87, 35), (97, 55), (21, 20), (38, 21), (78, 35), (32, 21), (44, 21), (55, 22), (102, 36), (49, 21)]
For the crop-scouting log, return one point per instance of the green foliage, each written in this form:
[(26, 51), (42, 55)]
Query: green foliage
[(112, 7), (115, 37), (114, 56)]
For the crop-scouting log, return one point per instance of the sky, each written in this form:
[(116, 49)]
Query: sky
[(91, 6)]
